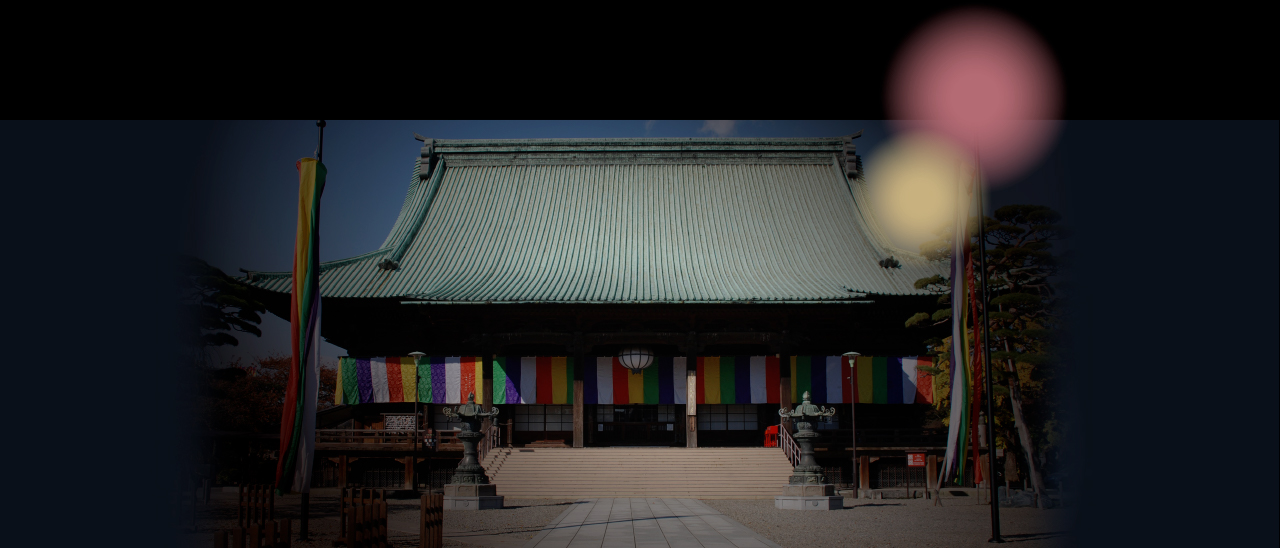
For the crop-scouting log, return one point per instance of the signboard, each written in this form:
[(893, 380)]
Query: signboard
[(399, 422), (915, 459)]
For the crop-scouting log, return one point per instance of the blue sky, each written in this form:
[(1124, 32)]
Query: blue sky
[(245, 217)]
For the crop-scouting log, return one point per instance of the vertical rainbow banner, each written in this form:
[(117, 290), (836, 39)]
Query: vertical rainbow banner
[(961, 388), (298, 418)]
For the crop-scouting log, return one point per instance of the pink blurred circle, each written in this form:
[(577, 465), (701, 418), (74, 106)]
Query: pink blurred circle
[(984, 80)]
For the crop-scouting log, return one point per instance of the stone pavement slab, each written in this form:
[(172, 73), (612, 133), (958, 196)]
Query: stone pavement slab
[(646, 523)]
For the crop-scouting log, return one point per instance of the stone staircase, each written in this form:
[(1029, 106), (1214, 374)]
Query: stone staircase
[(705, 472)]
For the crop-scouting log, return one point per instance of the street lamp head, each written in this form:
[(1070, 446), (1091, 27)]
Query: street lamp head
[(417, 355), (851, 356)]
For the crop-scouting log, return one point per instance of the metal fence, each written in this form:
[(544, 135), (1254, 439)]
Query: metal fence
[(893, 473)]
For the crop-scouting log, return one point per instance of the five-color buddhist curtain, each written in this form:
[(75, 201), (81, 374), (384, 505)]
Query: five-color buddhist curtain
[(549, 380)]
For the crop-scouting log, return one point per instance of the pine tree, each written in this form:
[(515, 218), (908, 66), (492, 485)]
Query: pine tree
[(1023, 294)]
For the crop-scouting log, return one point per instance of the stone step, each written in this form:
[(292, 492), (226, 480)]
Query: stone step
[(649, 472)]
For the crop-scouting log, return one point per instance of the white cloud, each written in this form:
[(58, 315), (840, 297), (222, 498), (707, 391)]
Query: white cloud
[(719, 127)]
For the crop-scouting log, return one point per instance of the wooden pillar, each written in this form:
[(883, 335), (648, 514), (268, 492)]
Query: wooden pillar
[(342, 470), (784, 376), (691, 402), (486, 385), (486, 388), (408, 472), (931, 471), (577, 410), (864, 472)]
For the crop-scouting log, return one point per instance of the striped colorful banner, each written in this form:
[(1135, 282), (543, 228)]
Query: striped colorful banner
[(878, 379), (393, 379), (549, 380), (608, 382), (738, 379)]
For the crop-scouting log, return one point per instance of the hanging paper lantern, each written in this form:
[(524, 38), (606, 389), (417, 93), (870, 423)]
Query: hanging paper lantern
[(635, 358)]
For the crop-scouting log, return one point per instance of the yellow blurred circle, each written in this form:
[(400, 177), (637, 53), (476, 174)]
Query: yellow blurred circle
[(914, 182)]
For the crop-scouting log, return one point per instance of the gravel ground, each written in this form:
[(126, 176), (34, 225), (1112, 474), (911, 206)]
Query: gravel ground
[(510, 527), (899, 522), (960, 521)]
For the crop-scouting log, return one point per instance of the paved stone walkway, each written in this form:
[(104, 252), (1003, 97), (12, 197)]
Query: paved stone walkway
[(645, 523)]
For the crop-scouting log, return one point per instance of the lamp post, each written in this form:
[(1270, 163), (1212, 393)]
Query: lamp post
[(855, 478)]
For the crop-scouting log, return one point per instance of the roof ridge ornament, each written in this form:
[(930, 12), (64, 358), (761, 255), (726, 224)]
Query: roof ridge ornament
[(850, 162), (427, 156)]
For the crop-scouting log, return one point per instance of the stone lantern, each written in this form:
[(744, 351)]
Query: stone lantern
[(807, 488), (470, 489)]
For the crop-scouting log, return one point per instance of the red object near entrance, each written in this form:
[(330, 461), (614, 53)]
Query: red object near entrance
[(915, 459), (771, 436)]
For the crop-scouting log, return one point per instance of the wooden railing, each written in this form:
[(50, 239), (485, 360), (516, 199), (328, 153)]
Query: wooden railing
[(788, 444), (345, 436), (446, 440)]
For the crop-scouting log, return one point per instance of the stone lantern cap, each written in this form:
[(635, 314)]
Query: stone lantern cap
[(807, 409), (471, 410)]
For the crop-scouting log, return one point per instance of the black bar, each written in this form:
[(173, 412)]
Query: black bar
[(306, 511), (320, 146), (986, 363)]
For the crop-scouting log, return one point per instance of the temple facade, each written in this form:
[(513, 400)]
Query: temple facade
[(520, 270)]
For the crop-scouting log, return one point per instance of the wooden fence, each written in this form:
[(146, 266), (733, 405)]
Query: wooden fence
[(431, 525), (351, 497), (366, 526), (271, 534), (257, 505)]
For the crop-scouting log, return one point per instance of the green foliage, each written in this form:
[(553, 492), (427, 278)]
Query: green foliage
[(922, 316), (932, 283), (1017, 299), (1036, 333), (941, 314), (247, 401), (217, 305)]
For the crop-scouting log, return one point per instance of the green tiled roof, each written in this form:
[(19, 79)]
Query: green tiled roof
[(628, 220)]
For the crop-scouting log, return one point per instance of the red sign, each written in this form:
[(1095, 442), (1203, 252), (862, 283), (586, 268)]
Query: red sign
[(915, 459)]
